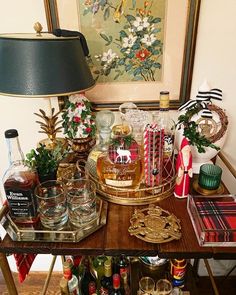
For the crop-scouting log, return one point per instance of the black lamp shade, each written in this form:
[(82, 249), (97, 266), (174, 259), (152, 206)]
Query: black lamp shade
[(42, 66)]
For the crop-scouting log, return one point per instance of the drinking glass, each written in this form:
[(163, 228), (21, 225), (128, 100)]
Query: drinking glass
[(146, 286), (51, 198), (81, 201), (163, 287)]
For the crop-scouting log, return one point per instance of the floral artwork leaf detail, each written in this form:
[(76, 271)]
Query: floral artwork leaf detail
[(124, 35)]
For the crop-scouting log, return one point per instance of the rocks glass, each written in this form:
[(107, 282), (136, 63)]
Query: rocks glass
[(51, 197), (81, 201)]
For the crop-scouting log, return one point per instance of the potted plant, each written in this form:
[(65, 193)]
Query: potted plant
[(45, 161), (78, 121)]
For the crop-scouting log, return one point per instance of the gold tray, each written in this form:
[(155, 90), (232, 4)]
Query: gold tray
[(139, 196), (69, 233)]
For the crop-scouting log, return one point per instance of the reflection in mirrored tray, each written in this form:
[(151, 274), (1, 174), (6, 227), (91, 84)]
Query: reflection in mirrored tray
[(69, 233)]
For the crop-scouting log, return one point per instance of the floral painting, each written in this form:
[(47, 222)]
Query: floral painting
[(125, 38)]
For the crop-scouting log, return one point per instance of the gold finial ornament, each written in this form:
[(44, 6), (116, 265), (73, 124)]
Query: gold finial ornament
[(38, 29), (155, 225)]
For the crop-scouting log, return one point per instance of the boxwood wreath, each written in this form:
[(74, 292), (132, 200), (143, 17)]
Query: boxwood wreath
[(190, 127)]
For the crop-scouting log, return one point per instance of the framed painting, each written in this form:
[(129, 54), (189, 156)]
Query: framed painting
[(137, 48)]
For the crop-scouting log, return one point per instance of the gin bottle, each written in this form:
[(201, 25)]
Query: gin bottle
[(19, 182)]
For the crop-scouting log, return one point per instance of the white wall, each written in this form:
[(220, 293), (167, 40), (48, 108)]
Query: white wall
[(214, 60)]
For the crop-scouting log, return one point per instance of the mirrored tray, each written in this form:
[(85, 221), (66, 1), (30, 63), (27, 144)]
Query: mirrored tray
[(69, 233)]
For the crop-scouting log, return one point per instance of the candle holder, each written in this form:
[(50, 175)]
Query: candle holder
[(209, 180)]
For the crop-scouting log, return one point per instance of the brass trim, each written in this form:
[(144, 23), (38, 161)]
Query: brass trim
[(45, 95), (227, 164)]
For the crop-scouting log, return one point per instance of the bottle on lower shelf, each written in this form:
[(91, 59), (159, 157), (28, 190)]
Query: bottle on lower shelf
[(116, 289), (72, 281)]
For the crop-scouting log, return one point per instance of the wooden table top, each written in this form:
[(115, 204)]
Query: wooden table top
[(114, 238)]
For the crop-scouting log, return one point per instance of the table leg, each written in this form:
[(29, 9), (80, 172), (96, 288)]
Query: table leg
[(6, 271), (213, 283), (45, 287)]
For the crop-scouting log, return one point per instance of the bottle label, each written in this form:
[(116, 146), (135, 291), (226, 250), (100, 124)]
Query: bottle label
[(168, 145), (119, 183), (21, 203), (94, 155), (177, 272), (103, 291)]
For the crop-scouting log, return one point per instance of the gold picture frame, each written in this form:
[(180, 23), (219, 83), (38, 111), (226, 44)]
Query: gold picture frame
[(145, 94)]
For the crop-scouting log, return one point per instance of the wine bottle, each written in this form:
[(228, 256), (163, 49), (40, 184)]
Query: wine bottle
[(123, 264), (125, 284), (106, 280), (86, 277), (98, 268), (116, 290)]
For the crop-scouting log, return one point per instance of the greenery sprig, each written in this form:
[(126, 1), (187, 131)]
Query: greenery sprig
[(191, 130), (44, 160)]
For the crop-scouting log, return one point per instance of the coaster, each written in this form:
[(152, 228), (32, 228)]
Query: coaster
[(206, 192)]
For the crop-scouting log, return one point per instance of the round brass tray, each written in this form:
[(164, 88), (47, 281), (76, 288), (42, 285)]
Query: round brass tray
[(139, 196)]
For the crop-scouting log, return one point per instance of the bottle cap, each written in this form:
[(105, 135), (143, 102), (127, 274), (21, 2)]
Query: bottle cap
[(11, 133)]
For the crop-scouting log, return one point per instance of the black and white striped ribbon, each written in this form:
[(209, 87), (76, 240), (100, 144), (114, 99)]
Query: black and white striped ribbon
[(203, 98)]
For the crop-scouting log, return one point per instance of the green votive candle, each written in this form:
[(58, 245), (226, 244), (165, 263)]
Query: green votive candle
[(209, 176)]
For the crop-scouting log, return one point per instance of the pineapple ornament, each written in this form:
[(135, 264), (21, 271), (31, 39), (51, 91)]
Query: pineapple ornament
[(50, 126)]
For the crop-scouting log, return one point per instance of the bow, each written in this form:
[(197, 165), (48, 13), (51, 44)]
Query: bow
[(203, 98)]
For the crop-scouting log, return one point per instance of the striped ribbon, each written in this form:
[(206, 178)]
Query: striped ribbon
[(203, 98)]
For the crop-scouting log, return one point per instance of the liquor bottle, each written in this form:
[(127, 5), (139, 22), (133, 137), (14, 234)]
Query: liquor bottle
[(166, 124), (104, 121), (19, 182), (116, 290), (86, 276), (177, 271), (98, 268), (73, 284), (122, 165), (125, 284), (106, 280), (123, 264)]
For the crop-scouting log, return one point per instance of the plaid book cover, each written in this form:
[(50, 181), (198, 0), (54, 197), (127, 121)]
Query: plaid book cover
[(219, 219)]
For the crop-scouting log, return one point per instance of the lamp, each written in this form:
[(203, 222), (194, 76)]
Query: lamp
[(44, 65)]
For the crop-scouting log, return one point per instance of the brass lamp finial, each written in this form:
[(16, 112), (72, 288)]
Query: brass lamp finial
[(38, 28)]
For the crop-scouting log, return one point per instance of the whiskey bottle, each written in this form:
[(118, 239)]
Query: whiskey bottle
[(166, 124), (122, 165), (19, 182)]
